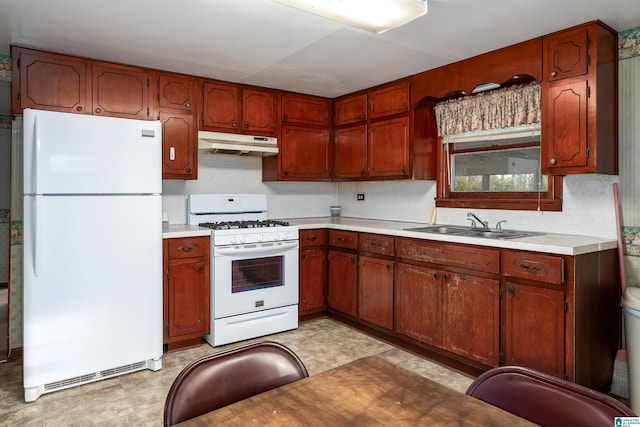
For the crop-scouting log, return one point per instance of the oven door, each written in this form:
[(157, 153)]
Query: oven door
[(254, 277)]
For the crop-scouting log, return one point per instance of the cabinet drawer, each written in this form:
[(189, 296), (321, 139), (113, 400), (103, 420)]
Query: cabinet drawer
[(343, 239), (313, 238), (188, 247), (376, 243), (525, 265), (467, 257)]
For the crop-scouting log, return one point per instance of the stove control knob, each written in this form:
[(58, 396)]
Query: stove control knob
[(243, 239), (260, 237), (282, 236), (234, 240)]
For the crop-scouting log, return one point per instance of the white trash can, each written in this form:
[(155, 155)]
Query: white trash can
[(631, 310)]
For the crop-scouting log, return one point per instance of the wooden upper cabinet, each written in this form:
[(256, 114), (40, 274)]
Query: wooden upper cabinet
[(179, 146), (566, 54), (305, 109), (580, 101), (389, 100), (352, 109), (52, 82), (388, 148), (305, 153), (176, 92), (232, 108), (120, 91), (221, 106), (258, 111), (350, 152)]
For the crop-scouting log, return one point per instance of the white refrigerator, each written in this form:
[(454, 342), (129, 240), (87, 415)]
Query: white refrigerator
[(92, 249)]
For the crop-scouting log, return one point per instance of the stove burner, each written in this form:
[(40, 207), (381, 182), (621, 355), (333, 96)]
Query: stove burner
[(229, 225)]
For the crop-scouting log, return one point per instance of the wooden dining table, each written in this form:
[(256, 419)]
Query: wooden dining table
[(366, 392)]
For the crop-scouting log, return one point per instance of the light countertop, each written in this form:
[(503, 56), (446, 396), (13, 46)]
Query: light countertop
[(562, 244), (173, 231)]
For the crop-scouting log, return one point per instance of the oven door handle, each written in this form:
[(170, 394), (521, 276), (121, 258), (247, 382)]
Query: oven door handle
[(258, 250)]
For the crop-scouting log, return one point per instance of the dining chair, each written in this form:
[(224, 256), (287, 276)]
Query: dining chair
[(546, 400), (217, 380)]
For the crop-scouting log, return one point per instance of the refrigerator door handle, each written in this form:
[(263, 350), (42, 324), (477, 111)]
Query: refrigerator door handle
[(36, 153), (38, 235)]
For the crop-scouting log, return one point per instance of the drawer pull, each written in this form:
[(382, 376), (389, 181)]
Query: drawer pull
[(529, 267), (342, 239), (186, 248), (374, 244), (312, 238)]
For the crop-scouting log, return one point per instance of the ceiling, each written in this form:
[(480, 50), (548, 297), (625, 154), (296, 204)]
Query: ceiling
[(264, 43)]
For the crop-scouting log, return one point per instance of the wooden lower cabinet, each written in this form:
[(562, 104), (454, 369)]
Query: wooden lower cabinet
[(471, 317), (312, 271), (534, 328), (418, 303), (375, 291), (186, 291), (342, 281)]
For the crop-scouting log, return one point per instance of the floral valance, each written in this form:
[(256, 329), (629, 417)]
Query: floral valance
[(497, 109)]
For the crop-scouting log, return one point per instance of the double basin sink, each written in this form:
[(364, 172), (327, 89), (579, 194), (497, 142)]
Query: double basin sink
[(455, 230)]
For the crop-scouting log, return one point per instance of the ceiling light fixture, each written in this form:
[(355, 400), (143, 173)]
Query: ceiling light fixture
[(371, 15)]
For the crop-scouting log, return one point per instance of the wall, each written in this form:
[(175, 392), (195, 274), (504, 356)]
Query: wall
[(226, 173), (629, 125)]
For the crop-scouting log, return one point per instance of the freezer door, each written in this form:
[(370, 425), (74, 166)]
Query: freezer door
[(81, 154), (92, 284)]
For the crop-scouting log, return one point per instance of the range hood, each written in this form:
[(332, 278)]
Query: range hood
[(233, 143)]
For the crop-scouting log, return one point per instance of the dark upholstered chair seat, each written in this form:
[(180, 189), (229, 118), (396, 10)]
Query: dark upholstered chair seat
[(546, 400), (217, 380)]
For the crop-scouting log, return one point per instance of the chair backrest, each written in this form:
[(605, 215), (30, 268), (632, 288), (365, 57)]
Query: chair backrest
[(217, 380), (546, 400)]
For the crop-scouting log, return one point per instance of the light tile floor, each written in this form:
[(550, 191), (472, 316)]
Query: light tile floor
[(137, 399)]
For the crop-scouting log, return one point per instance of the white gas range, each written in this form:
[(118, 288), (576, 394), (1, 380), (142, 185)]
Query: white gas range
[(254, 266)]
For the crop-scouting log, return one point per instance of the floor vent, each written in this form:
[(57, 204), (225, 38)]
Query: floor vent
[(96, 376)]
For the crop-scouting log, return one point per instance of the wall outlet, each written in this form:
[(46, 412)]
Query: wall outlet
[(360, 196)]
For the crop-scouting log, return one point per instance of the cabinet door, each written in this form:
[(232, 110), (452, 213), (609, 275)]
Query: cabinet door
[(566, 54), (375, 291), (471, 313), (221, 106), (389, 100), (564, 139), (258, 111), (342, 281), (534, 328), (120, 91), (53, 82), (307, 110), (418, 303), (179, 144), (176, 92), (388, 149), (350, 110), (312, 279), (305, 153), (350, 155), (188, 298)]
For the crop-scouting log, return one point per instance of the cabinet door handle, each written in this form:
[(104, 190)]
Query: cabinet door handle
[(234, 124), (98, 110), (445, 277), (531, 267), (188, 105), (388, 266), (435, 275), (172, 153), (246, 125), (552, 161), (188, 170), (352, 259), (285, 116), (199, 267), (554, 73), (79, 108)]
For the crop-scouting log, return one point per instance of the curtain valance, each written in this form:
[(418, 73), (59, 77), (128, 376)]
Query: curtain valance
[(502, 108)]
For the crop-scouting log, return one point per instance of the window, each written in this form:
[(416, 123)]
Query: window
[(490, 155)]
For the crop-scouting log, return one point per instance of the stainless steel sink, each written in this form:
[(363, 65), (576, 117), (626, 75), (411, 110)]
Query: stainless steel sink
[(457, 230)]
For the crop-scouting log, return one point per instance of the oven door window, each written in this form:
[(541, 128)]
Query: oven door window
[(257, 273)]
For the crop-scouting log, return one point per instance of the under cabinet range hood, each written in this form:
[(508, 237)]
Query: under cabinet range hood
[(233, 143)]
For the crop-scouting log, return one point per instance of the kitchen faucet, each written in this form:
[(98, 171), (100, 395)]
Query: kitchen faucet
[(471, 216)]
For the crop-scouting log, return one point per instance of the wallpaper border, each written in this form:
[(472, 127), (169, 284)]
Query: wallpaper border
[(629, 43)]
